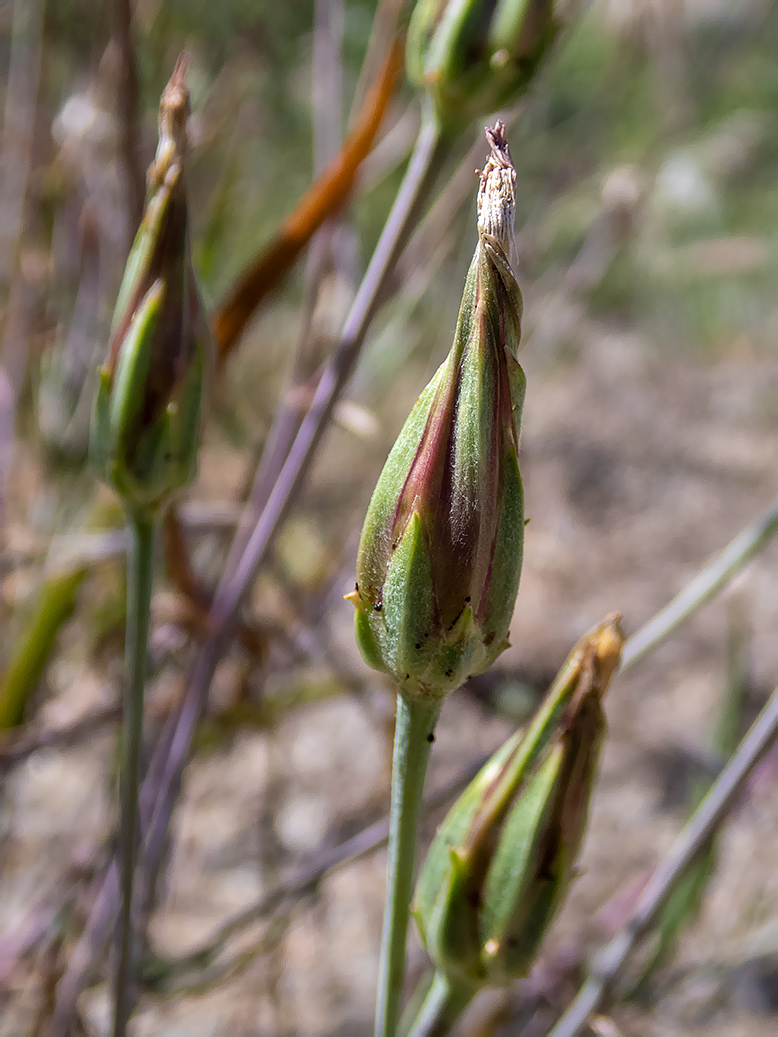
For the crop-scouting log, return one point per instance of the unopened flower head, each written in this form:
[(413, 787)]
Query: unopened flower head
[(475, 56), (147, 415), (502, 861), (441, 548)]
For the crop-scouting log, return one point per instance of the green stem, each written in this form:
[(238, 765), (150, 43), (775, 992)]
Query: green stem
[(413, 737), (139, 580), (445, 1002)]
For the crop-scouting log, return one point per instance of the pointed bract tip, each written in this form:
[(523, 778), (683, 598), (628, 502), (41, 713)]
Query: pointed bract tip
[(173, 116), (174, 102)]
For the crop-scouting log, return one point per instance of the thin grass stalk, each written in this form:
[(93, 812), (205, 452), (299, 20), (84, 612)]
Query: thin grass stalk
[(326, 102)]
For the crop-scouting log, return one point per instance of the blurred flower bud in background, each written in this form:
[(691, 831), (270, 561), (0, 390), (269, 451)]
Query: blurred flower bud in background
[(441, 548), (502, 861), (147, 416), (475, 56)]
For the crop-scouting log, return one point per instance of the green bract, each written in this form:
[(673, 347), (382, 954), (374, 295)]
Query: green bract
[(475, 56), (501, 862), (441, 548), (146, 420)]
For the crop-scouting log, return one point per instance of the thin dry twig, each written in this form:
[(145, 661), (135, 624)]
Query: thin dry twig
[(326, 196), (326, 99), (716, 575), (304, 879), (16, 746), (610, 962)]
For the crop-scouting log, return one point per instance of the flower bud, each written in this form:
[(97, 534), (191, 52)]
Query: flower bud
[(502, 861), (440, 553), (475, 56), (147, 414)]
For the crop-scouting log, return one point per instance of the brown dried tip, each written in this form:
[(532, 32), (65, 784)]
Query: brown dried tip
[(597, 655), (608, 643), (173, 115), (497, 192)]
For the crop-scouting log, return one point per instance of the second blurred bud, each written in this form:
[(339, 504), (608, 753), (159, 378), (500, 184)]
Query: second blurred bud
[(502, 861), (148, 409), (473, 57)]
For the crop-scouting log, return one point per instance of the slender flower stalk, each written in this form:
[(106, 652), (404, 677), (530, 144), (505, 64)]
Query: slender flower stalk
[(139, 584), (144, 440), (413, 738)]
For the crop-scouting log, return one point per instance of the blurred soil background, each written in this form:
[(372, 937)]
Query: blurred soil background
[(647, 230)]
